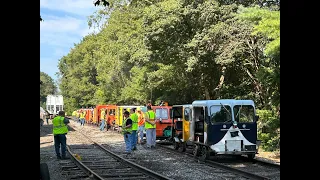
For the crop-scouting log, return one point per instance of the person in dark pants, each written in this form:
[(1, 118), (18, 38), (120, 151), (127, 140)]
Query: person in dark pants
[(82, 117), (126, 131), (102, 119), (60, 130), (134, 118)]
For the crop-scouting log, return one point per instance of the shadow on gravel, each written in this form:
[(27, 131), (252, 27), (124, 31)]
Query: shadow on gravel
[(47, 152), (47, 155)]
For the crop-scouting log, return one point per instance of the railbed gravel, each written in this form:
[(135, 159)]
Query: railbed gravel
[(255, 168), (47, 152), (170, 164)]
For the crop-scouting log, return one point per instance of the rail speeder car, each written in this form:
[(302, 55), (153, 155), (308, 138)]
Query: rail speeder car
[(216, 127)]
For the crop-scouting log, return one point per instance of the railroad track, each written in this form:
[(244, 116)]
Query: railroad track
[(181, 166), (251, 169), (97, 162)]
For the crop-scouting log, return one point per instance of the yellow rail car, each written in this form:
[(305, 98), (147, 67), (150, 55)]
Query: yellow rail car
[(119, 115)]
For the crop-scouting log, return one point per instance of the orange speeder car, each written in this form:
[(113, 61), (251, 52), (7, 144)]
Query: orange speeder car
[(163, 121), (110, 112)]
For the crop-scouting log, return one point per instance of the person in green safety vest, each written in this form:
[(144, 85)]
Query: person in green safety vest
[(150, 126), (60, 130), (102, 119), (126, 131), (82, 117), (134, 118), (78, 116)]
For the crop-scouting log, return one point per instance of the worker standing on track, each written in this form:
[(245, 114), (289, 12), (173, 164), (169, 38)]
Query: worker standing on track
[(134, 118), (79, 116), (82, 117), (60, 130), (150, 126), (103, 119), (141, 122), (126, 131)]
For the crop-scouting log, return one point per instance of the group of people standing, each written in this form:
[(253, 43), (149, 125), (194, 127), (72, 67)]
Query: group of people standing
[(134, 125), (81, 116)]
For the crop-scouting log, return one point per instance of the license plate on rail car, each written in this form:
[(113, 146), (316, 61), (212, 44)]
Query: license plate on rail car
[(233, 145)]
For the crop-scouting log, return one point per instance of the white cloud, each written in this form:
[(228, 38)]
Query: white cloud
[(79, 7), (65, 23), (58, 40), (62, 31), (60, 24), (49, 66)]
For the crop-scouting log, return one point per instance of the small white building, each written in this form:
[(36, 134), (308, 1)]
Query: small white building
[(54, 103)]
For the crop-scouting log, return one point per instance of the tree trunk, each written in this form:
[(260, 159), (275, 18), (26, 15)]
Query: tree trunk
[(216, 90), (206, 92), (257, 86)]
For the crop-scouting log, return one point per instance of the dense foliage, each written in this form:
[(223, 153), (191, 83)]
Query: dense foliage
[(179, 51), (47, 86)]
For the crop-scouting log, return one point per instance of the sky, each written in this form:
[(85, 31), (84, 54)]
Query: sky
[(65, 23)]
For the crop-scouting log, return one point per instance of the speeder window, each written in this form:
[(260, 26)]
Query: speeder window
[(162, 113), (243, 113), (187, 111), (220, 113), (112, 112)]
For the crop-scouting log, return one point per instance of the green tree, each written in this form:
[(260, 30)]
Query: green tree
[(178, 51), (47, 87), (267, 24)]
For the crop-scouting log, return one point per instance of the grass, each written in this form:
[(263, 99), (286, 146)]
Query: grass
[(274, 156)]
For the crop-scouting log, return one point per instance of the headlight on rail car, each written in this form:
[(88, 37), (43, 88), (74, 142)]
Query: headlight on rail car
[(235, 124)]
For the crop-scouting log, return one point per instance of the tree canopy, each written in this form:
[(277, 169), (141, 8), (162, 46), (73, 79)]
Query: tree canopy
[(178, 51)]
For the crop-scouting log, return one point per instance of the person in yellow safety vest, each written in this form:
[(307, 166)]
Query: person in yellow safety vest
[(103, 119), (60, 130), (134, 118), (126, 131), (141, 122), (150, 126), (82, 116)]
